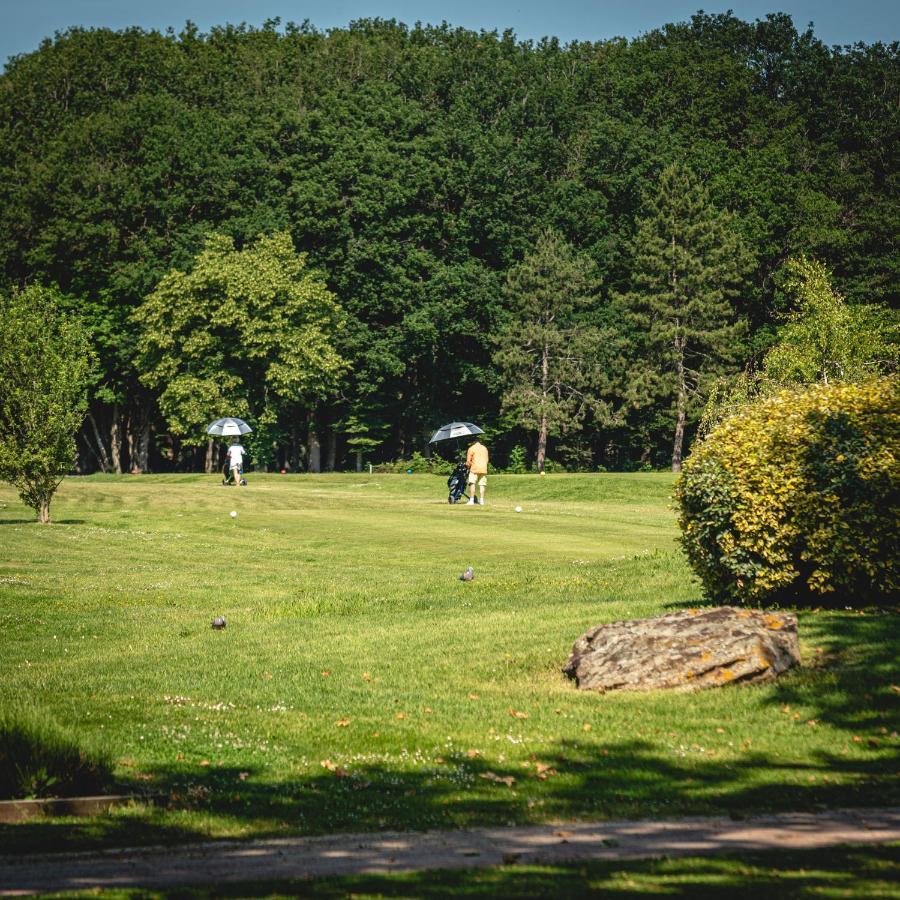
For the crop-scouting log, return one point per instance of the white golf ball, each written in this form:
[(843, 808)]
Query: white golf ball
[(518, 509), (233, 514)]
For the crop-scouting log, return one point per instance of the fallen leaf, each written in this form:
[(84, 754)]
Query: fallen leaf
[(179, 757), (812, 722), (325, 673), (586, 727), (342, 723), (517, 713), (400, 715), (243, 775), (720, 731), (366, 676), (428, 709), (857, 738), (439, 760), (204, 763), (267, 676), (473, 753), (508, 780), (473, 696), (895, 688), (328, 764)]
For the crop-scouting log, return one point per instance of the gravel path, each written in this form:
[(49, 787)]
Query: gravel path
[(346, 854)]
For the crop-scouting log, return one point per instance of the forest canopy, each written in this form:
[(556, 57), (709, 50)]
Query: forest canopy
[(414, 171)]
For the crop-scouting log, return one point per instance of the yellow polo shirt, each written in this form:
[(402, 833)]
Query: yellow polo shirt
[(477, 459)]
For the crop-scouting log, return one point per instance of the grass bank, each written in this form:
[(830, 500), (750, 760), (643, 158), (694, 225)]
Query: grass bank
[(360, 685)]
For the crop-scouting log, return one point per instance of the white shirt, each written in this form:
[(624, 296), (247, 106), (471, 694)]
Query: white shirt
[(236, 455)]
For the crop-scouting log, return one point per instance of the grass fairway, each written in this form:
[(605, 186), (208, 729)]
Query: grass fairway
[(359, 685)]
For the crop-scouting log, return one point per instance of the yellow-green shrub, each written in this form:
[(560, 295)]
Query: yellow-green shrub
[(798, 494)]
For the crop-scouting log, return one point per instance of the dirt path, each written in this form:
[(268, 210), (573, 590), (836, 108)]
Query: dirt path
[(346, 854)]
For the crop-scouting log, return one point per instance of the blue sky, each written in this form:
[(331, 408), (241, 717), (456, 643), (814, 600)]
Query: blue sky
[(23, 23)]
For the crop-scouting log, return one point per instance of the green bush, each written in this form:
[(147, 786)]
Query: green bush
[(797, 496), (417, 464), (517, 464), (40, 759)]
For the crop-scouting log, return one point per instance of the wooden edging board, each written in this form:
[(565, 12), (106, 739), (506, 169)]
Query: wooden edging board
[(22, 810)]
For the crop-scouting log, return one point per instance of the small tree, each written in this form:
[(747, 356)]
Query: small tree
[(548, 354), (824, 339), (45, 366)]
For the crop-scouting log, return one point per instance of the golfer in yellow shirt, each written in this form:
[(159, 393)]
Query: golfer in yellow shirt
[(477, 461)]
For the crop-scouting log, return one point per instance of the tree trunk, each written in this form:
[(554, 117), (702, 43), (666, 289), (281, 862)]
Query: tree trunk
[(359, 460), (542, 445), (331, 451), (100, 447), (210, 446), (315, 450), (681, 406), (542, 430), (294, 461), (115, 445), (44, 511), (139, 442)]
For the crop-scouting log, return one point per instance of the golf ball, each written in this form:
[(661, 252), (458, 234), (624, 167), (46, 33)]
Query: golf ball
[(518, 509), (233, 514)]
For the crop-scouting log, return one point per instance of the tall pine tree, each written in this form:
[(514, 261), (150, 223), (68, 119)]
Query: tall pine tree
[(549, 356), (688, 262)]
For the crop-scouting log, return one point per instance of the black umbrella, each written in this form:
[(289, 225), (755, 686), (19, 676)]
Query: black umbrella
[(455, 430)]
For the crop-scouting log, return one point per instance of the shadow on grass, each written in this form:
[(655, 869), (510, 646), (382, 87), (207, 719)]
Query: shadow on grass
[(578, 780), (846, 872), (851, 675), (33, 521), (851, 685)]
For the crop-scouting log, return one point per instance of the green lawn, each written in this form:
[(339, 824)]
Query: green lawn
[(360, 685)]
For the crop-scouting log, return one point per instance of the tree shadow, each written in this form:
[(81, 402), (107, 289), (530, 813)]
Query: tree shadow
[(33, 521), (586, 780), (861, 872), (850, 683), (850, 672)]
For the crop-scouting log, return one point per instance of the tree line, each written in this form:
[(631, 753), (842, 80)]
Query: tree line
[(351, 237)]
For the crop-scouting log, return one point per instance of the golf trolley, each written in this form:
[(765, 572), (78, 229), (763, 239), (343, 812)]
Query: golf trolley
[(457, 481), (227, 477)]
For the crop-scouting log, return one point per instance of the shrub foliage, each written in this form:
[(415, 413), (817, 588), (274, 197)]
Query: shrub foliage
[(797, 496)]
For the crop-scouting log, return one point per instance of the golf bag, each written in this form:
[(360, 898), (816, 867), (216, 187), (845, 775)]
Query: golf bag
[(457, 481)]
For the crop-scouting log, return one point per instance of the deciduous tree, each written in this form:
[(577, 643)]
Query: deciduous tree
[(45, 367), (247, 332)]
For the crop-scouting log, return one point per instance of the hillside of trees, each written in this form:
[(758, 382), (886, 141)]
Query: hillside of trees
[(565, 244)]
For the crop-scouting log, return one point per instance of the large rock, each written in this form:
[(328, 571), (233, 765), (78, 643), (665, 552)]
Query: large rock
[(683, 651)]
